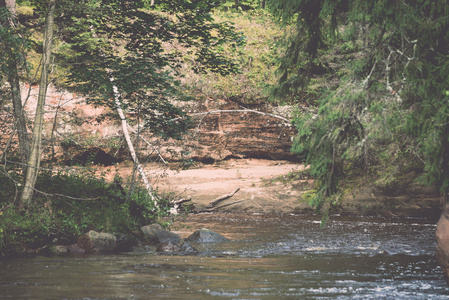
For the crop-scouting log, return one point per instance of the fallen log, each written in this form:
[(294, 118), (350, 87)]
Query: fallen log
[(224, 197)]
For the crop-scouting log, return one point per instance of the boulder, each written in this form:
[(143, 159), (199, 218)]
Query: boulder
[(205, 235), (186, 247), (442, 247), (155, 234), (95, 242)]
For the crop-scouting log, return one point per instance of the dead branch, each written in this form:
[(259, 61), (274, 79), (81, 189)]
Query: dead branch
[(224, 197), (236, 111), (180, 201), (210, 209)]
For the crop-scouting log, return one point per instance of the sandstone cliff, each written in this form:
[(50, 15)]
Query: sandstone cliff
[(75, 131)]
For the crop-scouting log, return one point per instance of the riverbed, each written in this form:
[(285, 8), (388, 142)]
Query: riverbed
[(276, 257)]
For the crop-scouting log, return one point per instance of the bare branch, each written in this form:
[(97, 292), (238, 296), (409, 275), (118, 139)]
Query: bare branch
[(236, 111), (149, 144)]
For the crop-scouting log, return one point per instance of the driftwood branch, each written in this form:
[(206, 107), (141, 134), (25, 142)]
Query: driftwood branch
[(224, 197), (180, 201), (210, 209)]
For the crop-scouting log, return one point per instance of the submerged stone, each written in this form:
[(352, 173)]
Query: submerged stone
[(74, 249), (179, 247), (125, 243), (205, 235), (168, 247)]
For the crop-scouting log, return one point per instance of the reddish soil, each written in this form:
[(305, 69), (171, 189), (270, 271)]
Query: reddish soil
[(268, 187)]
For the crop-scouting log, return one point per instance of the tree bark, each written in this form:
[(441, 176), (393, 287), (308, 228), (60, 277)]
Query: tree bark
[(13, 80), (11, 6), (36, 142), (19, 116)]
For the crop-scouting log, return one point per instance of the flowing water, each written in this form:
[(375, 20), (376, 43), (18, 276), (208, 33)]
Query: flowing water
[(268, 258)]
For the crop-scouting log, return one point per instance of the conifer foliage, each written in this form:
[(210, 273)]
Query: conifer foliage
[(387, 65)]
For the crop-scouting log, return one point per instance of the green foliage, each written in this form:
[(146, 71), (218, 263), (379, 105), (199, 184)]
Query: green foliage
[(391, 106), (69, 205), (241, 5), (325, 138), (310, 26), (113, 39), (19, 232), (255, 57), (130, 44), (14, 44)]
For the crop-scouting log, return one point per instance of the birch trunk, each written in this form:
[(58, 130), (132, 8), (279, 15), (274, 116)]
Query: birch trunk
[(36, 142)]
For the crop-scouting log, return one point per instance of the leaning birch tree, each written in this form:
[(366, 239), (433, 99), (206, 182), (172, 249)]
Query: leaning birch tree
[(117, 56)]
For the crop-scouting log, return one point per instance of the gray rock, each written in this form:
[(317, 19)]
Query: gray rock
[(155, 234), (186, 247), (205, 235), (95, 242)]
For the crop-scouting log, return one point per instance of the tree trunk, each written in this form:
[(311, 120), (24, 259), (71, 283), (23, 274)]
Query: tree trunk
[(19, 116), (36, 143), (11, 6), (130, 144), (13, 80)]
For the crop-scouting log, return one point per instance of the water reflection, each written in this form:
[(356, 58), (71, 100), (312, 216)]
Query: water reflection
[(285, 258)]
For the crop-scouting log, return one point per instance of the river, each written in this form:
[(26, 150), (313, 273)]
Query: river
[(288, 257)]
